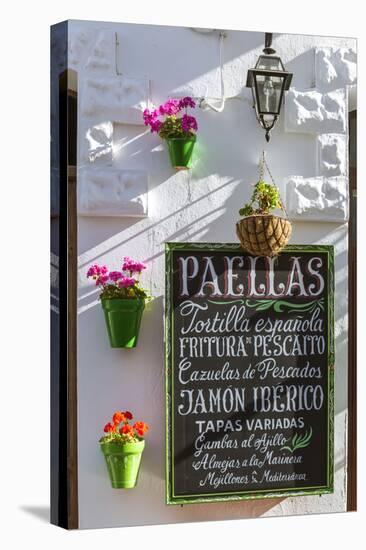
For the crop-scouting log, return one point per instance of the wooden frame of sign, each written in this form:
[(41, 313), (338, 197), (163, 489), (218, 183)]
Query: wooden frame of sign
[(249, 350)]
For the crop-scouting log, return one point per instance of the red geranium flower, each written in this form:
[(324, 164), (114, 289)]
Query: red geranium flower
[(119, 417), (128, 415), (126, 430), (109, 428), (141, 428)]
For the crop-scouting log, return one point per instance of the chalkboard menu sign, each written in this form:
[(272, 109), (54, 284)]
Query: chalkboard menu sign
[(249, 372)]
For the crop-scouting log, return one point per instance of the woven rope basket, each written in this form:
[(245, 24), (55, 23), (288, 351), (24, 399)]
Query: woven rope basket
[(263, 234)]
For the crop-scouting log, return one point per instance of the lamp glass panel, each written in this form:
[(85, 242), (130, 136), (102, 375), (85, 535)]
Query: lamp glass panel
[(268, 63), (269, 93)]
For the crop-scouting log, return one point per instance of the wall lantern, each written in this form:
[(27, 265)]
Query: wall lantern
[(268, 80)]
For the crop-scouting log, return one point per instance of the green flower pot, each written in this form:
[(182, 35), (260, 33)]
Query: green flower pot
[(123, 463), (123, 319), (180, 151)]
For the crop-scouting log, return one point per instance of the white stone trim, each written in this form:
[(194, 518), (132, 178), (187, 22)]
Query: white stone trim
[(98, 145), (317, 199), (335, 68), (332, 154), (119, 99), (92, 50), (314, 112), (108, 192)]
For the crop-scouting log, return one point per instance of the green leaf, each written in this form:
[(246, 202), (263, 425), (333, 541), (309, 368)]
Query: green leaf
[(299, 441), (172, 128), (247, 210), (263, 304)]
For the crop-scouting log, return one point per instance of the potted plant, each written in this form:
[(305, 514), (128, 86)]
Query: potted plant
[(178, 131), (260, 232), (123, 301), (122, 447)]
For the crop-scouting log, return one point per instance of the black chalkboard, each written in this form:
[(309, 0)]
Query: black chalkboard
[(249, 372)]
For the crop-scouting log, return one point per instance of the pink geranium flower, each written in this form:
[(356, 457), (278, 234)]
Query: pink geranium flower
[(172, 125), (149, 117), (132, 266), (187, 102), (126, 282), (101, 280), (96, 270), (170, 107), (115, 276), (156, 125), (188, 123), (119, 284)]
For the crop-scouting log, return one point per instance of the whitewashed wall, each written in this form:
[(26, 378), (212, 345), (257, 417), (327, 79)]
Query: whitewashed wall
[(196, 205)]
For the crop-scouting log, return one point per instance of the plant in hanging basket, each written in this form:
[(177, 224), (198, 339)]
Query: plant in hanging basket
[(123, 301), (262, 233), (122, 447), (178, 131)]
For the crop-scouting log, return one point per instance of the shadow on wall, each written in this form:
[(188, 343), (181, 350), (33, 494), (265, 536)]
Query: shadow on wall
[(203, 182), (236, 45), (304, 78), (94, 225)]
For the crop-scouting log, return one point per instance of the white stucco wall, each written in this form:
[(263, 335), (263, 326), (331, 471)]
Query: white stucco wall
[(197, 205)]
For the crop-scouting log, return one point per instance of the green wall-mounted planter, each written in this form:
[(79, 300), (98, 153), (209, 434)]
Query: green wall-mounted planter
[(123, 319), (123, 463), (180, 151)]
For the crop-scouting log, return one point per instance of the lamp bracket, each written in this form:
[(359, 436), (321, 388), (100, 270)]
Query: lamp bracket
[(268, 44)]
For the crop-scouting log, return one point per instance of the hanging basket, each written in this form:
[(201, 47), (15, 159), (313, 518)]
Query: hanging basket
[(263, 234)]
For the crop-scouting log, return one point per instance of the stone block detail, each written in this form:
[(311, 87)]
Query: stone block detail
[(103, 53), (99, 143), (332, 154), (119, 99), (315, 112), (335, 68), (92, 50), (317, 199), (111, 192)]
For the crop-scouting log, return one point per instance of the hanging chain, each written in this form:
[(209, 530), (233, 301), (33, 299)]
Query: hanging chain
[(262, 165)]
